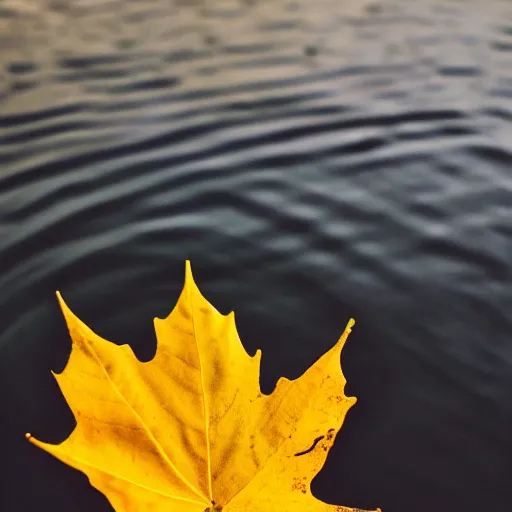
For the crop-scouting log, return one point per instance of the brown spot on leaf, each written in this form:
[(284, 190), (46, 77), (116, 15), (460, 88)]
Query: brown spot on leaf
[(298, 485)]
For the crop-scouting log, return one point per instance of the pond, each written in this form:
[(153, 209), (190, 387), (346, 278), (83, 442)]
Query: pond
[(315, 161)]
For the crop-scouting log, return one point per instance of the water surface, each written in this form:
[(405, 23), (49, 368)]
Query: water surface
[(315, 161)]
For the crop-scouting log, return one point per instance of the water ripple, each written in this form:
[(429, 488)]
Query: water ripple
[(315, 160)]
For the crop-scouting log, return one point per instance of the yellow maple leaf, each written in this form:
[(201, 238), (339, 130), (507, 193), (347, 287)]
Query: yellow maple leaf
[(190, 430)]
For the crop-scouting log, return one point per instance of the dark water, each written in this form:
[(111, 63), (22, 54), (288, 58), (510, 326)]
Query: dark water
[(315, 161)]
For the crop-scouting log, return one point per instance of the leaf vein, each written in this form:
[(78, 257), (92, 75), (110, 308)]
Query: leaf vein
[(145, 427)]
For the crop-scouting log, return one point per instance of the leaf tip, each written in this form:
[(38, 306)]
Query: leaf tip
[(31, 439), (69, 316), (62, 304), (346, 332), (189, 277), (55, 374)]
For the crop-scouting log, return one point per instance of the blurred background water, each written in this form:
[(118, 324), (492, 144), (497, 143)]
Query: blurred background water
[(315, 160)]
